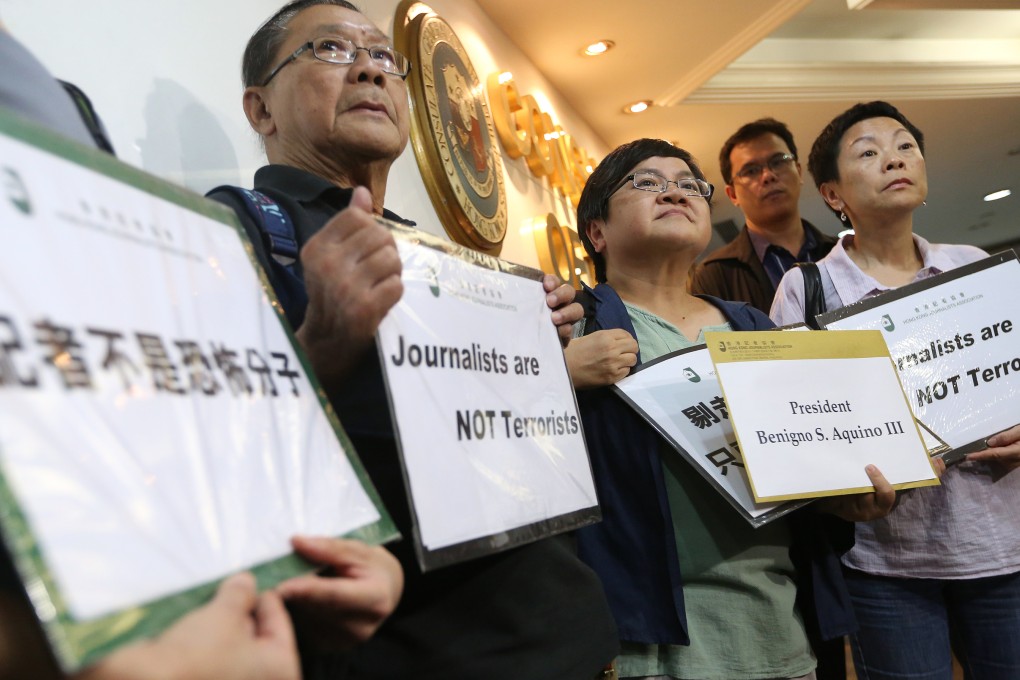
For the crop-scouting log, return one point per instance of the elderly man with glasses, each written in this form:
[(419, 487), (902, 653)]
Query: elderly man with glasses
[(763, 178), (325, 91)]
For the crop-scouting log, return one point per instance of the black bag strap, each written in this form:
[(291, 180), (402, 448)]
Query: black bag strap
[(273, 222), (585, 298), (814, 295), (280, 238), (89, 116)]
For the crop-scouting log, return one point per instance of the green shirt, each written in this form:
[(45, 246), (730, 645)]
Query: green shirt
[(739, 588)]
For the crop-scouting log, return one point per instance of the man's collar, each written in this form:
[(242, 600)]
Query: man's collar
[(304, 186), (761, 244), (300, 184)]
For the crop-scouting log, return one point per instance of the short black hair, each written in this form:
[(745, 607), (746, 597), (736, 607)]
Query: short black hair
[(823, 163), (746, 133), (260, 53), (607, 178)]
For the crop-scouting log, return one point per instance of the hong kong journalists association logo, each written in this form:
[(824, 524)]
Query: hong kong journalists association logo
[(887, 323), (433, 276), (692, 375), (15, 190)]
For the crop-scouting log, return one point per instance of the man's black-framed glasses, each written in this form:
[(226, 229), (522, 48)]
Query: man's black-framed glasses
[(649, 181), (337, 50), (781, 162)]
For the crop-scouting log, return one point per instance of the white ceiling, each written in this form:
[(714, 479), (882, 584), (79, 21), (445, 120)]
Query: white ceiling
[(712, 65)]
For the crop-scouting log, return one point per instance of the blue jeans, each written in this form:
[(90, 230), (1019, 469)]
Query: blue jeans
[(909, 625)]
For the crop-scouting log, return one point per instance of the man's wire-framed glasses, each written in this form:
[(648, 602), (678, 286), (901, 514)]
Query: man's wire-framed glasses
[(781, 162), (688, 186), (336, 50)]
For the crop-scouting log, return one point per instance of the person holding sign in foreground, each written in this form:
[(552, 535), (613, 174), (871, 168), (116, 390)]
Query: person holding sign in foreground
[(325, 91), (945, 565), (697, 592), (239, 633)]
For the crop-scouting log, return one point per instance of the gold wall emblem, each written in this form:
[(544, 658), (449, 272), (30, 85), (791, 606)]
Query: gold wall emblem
[(452, 134)]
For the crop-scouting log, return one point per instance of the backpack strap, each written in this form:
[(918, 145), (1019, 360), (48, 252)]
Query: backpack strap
[(586, 326), (280, 239), (814, 295), (274, 224)]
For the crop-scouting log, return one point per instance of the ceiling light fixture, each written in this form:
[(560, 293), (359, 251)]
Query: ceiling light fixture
[(996, 195), (638, 107), (597, 48)]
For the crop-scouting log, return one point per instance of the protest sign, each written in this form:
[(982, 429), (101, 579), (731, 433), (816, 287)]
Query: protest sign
[(812, 410), (488, 427), (159, 428), (955, 340)]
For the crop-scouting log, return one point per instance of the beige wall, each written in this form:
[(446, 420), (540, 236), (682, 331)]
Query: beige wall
[(164, 75)]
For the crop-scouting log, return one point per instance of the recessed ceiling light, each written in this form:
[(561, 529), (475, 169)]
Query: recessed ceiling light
[(996, 195), (597, 48), (638, 107)]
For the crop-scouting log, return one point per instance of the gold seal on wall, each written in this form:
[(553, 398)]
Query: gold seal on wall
[(452, 134)]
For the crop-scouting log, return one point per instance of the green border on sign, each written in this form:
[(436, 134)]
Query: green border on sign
[(80, 642)]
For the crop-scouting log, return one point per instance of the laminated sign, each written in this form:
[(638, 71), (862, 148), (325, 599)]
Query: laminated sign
[(955, 340), (812, 410), (159, 428), (488, 427)]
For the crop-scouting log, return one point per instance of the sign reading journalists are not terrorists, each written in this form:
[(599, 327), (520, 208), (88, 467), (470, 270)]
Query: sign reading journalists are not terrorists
[(954, 340), (487, 423)]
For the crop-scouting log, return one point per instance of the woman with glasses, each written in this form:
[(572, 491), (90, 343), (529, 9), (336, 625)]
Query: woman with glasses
[(696, 592), (945, 565)]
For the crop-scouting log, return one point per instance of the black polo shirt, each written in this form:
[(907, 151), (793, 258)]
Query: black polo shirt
[(532, 612)]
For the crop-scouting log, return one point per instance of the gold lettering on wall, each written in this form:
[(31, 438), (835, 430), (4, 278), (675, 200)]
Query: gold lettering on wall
[(513, 124), (526, 131), (560, 251)]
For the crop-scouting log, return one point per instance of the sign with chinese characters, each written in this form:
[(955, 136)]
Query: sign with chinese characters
[(679, 395), (812, 410), (159, 429), (487, 423), (955, 340)]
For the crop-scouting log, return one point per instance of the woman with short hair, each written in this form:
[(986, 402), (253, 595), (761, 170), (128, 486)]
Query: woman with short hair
[(695, 590), (944, 566)]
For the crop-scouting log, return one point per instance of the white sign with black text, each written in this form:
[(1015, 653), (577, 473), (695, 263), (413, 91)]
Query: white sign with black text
[(488, 426), (955, 340), (159, 429), (812, 410)]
